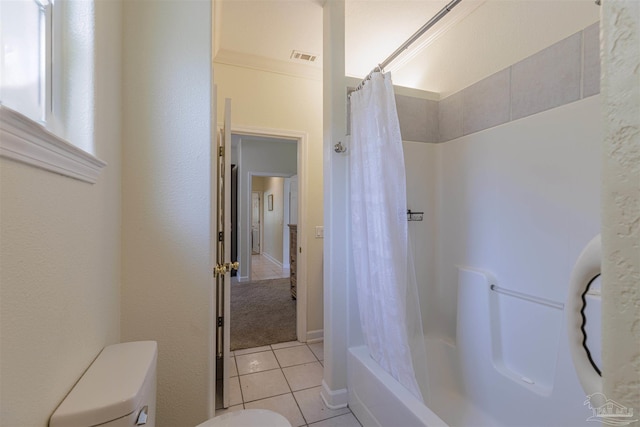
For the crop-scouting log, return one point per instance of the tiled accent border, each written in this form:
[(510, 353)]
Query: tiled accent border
[(565, 72)]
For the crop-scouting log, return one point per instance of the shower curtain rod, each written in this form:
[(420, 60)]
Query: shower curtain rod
[(438, 16)]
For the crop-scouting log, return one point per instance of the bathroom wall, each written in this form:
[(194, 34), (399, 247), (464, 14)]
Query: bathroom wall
[(60, 251), (421, 165), (166, 197), (273, 220), (279, 101), (520, 201), (519, 177)]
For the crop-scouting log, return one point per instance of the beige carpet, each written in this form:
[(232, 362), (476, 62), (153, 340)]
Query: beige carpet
[(262, 313)]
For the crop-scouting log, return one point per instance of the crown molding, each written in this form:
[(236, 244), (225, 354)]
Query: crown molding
[(229, 57)]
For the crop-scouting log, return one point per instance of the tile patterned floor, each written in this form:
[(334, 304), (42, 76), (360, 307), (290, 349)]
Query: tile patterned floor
[(262, 268), (285, 378)]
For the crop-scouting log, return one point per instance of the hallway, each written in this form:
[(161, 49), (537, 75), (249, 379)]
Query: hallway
[(262, 268)]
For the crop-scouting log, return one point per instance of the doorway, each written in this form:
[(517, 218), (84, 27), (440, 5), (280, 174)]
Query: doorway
[(266, 209), (270, 227)]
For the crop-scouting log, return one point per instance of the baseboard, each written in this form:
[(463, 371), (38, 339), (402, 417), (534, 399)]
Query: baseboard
[(272, 259), (243, 278), (334, 399), (315, 336)]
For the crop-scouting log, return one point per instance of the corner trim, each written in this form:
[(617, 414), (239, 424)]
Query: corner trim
[(25, 141), (334, 399)]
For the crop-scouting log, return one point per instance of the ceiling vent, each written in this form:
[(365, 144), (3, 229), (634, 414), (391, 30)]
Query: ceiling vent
[(302, 56)]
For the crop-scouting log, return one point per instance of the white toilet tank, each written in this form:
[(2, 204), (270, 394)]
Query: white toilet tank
[(118, 390)]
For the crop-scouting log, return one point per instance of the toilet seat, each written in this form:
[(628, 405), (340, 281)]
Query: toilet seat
[(247, 418)]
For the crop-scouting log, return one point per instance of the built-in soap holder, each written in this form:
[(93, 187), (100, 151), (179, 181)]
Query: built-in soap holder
[(526, 331)]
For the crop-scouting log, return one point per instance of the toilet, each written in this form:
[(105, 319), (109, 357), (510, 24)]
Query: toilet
[(119, 390)]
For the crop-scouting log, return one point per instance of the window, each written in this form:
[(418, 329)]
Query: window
[(27, 37), (31, 118)]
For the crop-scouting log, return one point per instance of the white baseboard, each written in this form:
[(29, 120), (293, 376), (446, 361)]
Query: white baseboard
[(334, 399), (272, 259), (315, 336), (243, 278)]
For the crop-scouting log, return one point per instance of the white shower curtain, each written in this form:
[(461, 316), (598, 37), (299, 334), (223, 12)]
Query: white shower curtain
[(385, 279)]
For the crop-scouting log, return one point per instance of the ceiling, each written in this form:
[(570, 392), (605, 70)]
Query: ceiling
[(263, 33)]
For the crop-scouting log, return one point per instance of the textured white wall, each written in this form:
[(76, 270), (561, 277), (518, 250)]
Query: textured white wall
[(337, 274), (277, 101), (60, 250), (620, 44), (166, 196)]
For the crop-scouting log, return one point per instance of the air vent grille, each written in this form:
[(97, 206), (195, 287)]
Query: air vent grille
[(303, 56)]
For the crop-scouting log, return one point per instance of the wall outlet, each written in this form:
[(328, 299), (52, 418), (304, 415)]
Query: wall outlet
[(319, 232)]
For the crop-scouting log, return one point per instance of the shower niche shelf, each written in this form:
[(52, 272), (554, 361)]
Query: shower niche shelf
[(503, 333), (526, 332)]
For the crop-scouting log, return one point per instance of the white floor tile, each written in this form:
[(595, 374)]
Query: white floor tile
[(313, 408), (252, 350), (304, 376), (317, 349), (263, 384), (294, 356), (284, 405), (286, 344), (346, 420), (256, 362)]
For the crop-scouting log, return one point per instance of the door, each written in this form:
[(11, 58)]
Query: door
[(255, 222), (223, 267)]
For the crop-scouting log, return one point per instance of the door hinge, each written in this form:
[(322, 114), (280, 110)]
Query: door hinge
[(220, 151), (220, 236), (220, 322)]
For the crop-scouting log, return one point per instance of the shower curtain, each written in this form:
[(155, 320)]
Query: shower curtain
[(385, 278)]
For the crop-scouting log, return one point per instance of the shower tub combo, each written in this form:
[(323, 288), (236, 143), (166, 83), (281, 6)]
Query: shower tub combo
[(510, 365)]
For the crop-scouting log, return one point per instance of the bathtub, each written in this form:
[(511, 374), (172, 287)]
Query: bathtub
[(509, 366), (377, 399)]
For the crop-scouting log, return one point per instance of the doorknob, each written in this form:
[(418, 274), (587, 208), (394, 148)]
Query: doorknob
[(232, 265), (219, 269)]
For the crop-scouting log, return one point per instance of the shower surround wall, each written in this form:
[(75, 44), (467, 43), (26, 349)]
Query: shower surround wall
[(523, 149), (560, 74), (512, 188), (478, 116)]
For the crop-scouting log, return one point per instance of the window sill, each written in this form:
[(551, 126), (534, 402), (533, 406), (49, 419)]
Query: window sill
[(23, 140)]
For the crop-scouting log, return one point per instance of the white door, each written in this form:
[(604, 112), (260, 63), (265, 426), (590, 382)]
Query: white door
[(223, 245), (255, 222)]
